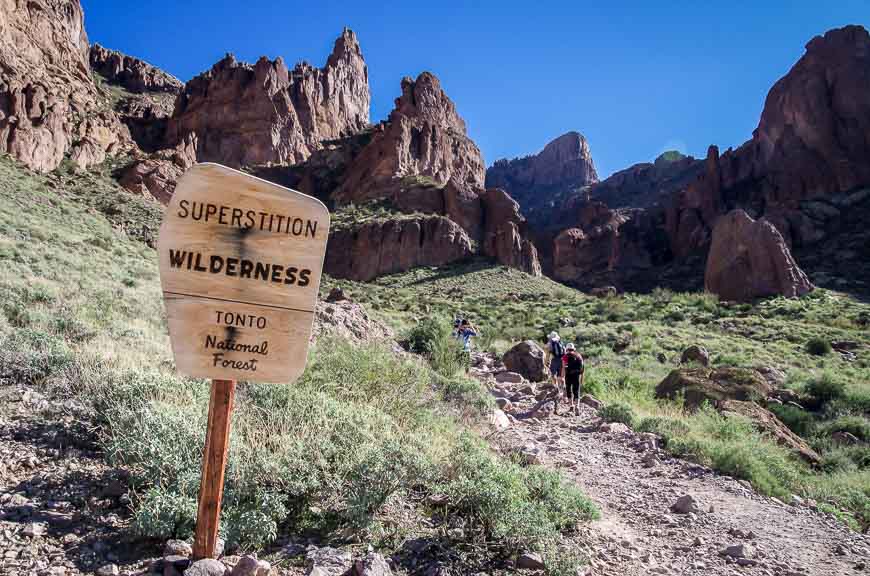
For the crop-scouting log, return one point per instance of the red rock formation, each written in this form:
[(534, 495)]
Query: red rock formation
[(504, 236), (377, 248), (424, 138), (749, 259), (564, 165), (131, 73), (245, 115), (49, 105)]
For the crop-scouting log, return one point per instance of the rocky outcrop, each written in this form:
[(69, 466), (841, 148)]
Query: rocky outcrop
[(699, 385), (382, 247), (49, 106), (539, 181), (749, 259), (131, 73), (813, 140), (606, 247), (424, 138), (769, 425), (245, 115), (527, 359), (504, 235)]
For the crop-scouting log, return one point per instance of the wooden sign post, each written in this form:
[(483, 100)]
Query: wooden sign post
[(240, 265)]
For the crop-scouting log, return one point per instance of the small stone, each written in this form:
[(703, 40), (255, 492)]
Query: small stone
[(530, 561), (504, 404), (592, 401), (177, 548), (206, 567), (34, 530), (508, 377), (685, 505), (108, 570), (736, 551), (372, 565)]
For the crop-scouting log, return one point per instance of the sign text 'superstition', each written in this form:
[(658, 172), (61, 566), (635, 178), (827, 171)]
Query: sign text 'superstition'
[(240, 266)]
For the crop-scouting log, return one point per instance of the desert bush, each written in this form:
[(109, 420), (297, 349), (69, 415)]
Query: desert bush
[(856, 425), (798, 421), (501, 500), (29, 356), (465, 392), (432, 338), (818, 346), (618, 412), (824, 389)]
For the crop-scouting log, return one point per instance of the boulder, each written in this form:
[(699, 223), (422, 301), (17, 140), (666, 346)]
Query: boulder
[(530, 561), (327, 561), (685, 504), (527, 359), (243, 114), (845, 438), (768, 424), (695, 354), (349, 320), (206, 567), (508, 377), (697, 385), (749, 259)]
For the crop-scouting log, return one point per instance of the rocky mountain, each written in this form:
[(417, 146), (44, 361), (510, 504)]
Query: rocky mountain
[(49, 104), (240, 114), (541, 181), (806, 162), (419, 161)]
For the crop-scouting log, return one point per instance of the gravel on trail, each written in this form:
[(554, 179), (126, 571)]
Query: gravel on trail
[(635, 484)]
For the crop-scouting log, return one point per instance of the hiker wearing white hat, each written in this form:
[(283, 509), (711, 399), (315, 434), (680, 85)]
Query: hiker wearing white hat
[(573, 372), (555, 352)]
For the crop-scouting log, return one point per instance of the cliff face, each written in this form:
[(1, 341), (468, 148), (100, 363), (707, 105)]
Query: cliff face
[(49, 105), (542, 181), (423, 138), (803, 171), (241, 115), (131, 73)]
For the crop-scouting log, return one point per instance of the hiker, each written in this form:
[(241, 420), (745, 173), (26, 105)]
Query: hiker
[(465, 333), (555, 352), (573, 373), (456, 324)]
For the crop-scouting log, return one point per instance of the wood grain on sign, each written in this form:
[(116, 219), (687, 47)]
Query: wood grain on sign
[(240, 265)]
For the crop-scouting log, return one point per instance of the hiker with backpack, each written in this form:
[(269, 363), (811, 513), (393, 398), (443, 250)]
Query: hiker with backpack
[(573, 373), (465, 333), (555, 352)]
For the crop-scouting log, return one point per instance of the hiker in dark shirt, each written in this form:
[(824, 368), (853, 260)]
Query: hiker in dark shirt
[(573, 372), (555, 352)]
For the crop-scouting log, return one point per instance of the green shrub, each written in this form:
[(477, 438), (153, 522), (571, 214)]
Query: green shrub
[(856, 425), (30, 356), (522, 507), (618, 413), (165, 514), (825, 389), (818, 346), (465, 392), (432, 338), (798, 421)]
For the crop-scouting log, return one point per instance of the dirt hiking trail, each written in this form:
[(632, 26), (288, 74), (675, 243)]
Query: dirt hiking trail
[(635, 484)]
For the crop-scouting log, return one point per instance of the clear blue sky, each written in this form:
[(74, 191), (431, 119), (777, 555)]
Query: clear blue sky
[(635, 78)]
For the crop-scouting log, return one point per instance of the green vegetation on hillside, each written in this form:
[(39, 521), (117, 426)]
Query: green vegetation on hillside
[(633, 341), (354, 451)]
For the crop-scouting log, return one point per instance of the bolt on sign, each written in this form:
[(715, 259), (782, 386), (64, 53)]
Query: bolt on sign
[(240, 265)]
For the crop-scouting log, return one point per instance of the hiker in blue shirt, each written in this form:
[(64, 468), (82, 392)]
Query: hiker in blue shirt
[(465, 332)]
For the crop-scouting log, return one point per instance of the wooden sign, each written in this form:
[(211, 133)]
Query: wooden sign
[(240, 265)]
